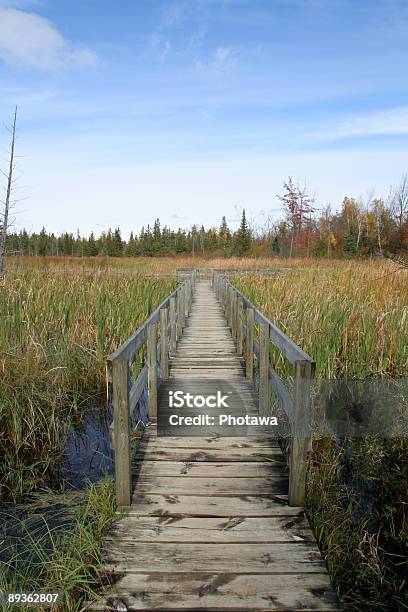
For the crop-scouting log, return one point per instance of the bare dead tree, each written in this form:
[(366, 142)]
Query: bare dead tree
[(5, 213), (400, 202), (290, 203)]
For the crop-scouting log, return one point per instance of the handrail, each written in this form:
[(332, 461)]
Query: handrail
[(160, 332), (297, 404)]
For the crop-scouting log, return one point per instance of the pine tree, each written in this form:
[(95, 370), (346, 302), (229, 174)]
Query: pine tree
[(131, 248), (92, 249), (117, 244), (224, 236), (243, 241)]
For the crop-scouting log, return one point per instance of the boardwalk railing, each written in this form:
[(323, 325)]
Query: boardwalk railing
[(207, 273), (242, 317), (146, 352)]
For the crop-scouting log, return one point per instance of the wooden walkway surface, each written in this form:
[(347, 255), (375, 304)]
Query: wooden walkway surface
[(209, 527)]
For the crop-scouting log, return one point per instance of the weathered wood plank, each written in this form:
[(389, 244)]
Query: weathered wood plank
[(164, 346), (294, 557), (211, 529), (212, 443), (249, 344), (227, 592), (198, 454), (263, 369), (122, 431), (173, 485), (199, 505), (197, 469), (152, 367), (301, 433), (137, 389)]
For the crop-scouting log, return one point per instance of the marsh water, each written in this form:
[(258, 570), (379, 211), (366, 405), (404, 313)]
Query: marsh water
[(87, 457)]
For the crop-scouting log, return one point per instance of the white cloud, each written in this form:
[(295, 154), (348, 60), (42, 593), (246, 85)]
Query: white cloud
[(223, 60), (196, 39), (222, 54), (160, 46), (165, 51), (18, 3), (392, 122), (30, 40), (172, 16)]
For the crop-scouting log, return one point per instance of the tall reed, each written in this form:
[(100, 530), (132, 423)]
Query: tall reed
[(352, 319), (56, 330)]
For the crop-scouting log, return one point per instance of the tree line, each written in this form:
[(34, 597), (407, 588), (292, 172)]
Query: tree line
[(151, 241), (373, 226)]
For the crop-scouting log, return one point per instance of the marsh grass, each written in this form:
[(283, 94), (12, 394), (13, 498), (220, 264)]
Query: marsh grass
[(59, 319), (352, 319), (56, 331), (63, 558)]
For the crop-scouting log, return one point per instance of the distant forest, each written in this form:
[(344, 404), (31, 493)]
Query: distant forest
[(371, 227)]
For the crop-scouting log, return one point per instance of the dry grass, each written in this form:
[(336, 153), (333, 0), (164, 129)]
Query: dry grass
[(352, 319)]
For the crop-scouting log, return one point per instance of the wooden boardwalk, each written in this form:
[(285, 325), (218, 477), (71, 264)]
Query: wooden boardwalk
[(209, 527)]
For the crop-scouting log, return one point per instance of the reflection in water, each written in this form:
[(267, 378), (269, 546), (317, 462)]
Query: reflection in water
[(87, 454)]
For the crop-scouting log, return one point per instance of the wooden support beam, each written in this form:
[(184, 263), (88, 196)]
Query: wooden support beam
[(186, 299), (250, 344), (121, 419), (301, 432), (263, 368), (181, 317), (152, 368), (240, 324), (164, 344), (173, 326)]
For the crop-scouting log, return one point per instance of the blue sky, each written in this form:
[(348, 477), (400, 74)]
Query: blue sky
[(191, 109)]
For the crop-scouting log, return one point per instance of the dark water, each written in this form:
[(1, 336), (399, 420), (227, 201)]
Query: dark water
[(87, 455)]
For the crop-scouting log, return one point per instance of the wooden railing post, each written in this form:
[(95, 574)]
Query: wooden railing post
[(164, 343), (120, 376), (187, 299), (240, 323), (180, 304), (230, 298), (233, 313), (173, 326), (263, 368), (250, 344), (301, 432), (190, 294), (152, 368)]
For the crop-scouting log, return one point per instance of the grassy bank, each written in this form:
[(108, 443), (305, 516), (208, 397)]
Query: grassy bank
[(56, 332), (63, 558), (352, 318)]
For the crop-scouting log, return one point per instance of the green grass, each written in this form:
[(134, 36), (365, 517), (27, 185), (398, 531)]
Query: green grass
[(56, 332), (64, 560)]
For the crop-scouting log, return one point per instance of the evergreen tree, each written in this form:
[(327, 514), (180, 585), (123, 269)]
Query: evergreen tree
[(131, 247), (224, 236), (243, 241), (42, 243), (92, 249), (117, 244), (156, 238)]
